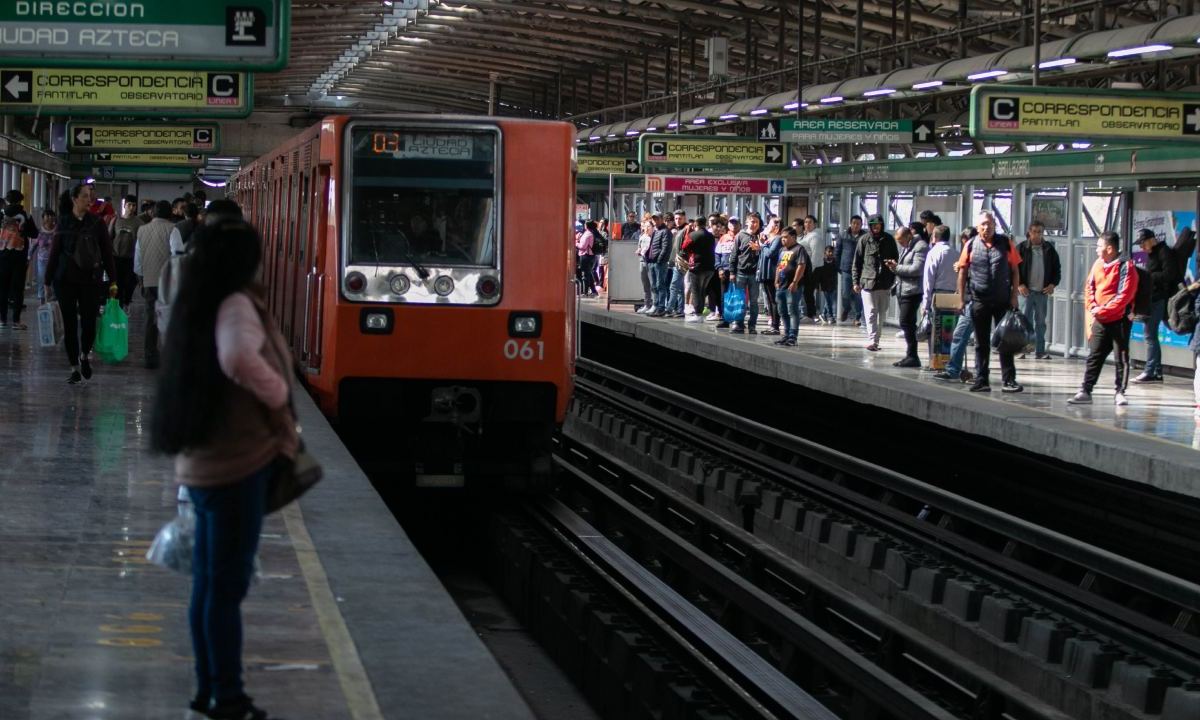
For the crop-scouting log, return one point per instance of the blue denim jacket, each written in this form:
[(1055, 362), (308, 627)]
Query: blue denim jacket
[(768, 258)]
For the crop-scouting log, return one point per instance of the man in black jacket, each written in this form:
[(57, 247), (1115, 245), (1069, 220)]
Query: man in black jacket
[(1163, 267), (659, 256), (743, 266), (1040, 272), (873, 278)]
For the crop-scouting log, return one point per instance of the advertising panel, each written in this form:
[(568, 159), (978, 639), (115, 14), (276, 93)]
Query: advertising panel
[(1167, 225)]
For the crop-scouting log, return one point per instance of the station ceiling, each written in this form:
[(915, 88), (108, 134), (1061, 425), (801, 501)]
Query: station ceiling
[(562, 58)]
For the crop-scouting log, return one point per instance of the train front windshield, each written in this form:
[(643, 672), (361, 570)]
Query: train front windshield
[(423, 197)]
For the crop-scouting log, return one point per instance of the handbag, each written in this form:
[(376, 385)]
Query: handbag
[(293, 476)]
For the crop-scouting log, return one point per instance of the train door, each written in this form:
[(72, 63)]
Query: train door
[(298, 267), (280, 254), (315, 277), (291, 222)]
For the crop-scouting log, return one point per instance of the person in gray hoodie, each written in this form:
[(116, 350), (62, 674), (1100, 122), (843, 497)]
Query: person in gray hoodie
[(872, 276)]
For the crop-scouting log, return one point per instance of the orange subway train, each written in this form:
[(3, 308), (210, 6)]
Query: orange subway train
[(419, 266)]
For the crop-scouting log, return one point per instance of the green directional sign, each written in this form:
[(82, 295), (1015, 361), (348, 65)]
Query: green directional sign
[(830, 131), (207, 34), (154, 93), (709, 151), (101, 137), (605, 164)]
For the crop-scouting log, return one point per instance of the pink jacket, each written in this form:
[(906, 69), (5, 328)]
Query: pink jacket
[(584, 244)]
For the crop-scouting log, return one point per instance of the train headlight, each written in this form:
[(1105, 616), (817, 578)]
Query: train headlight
[(376, 321), (488, 287), (444, 285), (356, 282), (399, 284), (525, 324)]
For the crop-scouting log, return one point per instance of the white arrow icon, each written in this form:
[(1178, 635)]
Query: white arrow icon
[(1194, 120), (773, 153), (922, 132), (16, 86), (631, 166), (83, 137)]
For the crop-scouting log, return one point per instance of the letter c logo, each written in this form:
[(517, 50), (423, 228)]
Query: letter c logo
[(1004, 108)]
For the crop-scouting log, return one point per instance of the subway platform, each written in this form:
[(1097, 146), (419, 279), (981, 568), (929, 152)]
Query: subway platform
[(344, 621), (1152, 441)]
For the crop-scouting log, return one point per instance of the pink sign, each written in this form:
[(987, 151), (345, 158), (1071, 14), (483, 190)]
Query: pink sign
[(712, 185)]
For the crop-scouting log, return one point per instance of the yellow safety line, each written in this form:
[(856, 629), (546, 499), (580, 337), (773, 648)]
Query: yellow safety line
[(356, 686)]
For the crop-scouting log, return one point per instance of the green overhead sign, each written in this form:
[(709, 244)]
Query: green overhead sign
[(101, 137), (137, 92), (829, 131), (208, 34), (709, 151)]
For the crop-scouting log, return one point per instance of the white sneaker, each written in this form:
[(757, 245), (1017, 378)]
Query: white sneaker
[(1081, 398), (1120, 400), (713, 317), (693, 319), (900, 334), (183, 495)]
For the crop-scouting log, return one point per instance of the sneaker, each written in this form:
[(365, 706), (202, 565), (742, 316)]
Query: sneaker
[(737, 330), (943, 375), (781, 341), (858, 323), (642, 310), (908, 362), (1012, 387), (900, 335), (85, 367), (75, 378), (241, 709), (981, 386), (831, 321), (1042, 356), (772, 331), (722, 325), (752, 331), (873, 347), (693, 319), (789, 342), (1120, 400), (1081, 398), (1145, 378), (965, 376), (657, 313)]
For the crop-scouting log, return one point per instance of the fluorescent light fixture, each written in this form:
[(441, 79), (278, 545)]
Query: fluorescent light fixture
[(729, 116), (927, 85), (832, 99), (672, 124), (699, 121), (651, 129), (1140, 50), (759, 111), (987, 75), (1057, 62), (594, 138), (612, 135), (631, 132), (878, 92), (792, 106)]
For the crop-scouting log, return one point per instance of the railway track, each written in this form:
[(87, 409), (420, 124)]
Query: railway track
[(978, 612)]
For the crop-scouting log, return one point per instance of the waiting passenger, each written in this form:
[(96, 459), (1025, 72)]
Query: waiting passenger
[(587, 261), (151, 253), (852, 307), (726, 242), (789, 283), (988, 270), (768, 259), (872, 277), (146, 211), (826, 280), (1108, 299), (124, 234), (678, 266), (630, 228), (743, 266), (222, 409), (700, 248), (80, 249), (643, 254), (910, 271), (1163, 267), (182, 234), (17, 231), (963, 329), (940, 276), (813, 242), (659, 258), (1040, 272)]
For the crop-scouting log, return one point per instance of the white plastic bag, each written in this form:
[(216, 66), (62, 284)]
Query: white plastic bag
[(172, 547), (50, 324)]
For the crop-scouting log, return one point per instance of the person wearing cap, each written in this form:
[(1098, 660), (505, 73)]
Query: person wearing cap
[(1040, 272), (988, 271), (873, 279), (1164, 277)]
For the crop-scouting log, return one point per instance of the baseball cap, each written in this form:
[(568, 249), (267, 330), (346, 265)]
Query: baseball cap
[(734, 221), (1146, 234), (875, 220)]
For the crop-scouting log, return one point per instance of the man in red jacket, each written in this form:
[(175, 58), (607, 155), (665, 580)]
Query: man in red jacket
[(1108, 296)]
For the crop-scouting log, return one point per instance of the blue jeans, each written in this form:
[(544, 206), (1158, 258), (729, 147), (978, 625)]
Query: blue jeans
[(228, 522), (828, 304), (1158, 310), (675, 299), (660, 284), (789, 302), (752, 289), (958, 344), (851, 301), (1034, 307)]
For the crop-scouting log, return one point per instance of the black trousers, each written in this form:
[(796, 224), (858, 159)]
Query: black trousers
[(908, 323), (150, 347), (810, 296), (718, 289), (984, 315), (126, 280), (768, 290), (80, 304), (12, 284), (1106, 336)]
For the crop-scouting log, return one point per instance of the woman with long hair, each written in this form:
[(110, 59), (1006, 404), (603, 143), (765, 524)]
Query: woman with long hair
[(223, 411), (79, 250)]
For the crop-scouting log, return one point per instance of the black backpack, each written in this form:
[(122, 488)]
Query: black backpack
[(599, 243), (1181, 312), (1145, 288)]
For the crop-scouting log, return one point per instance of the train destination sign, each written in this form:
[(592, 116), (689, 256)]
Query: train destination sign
[(829, 131), (1025, 113), (213, 34), (89, 137), (606, 165), (704, 185), (181, 160), (158, 93), (692, 151)]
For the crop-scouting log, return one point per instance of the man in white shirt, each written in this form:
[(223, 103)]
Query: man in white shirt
[(813, 241)]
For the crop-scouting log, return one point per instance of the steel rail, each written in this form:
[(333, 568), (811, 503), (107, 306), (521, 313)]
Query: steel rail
[(1181, 650)]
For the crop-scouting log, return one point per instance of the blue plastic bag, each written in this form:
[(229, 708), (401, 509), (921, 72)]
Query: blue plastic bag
[(734, 304)]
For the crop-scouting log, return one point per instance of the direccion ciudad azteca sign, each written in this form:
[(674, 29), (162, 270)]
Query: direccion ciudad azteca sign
[(224, 34)]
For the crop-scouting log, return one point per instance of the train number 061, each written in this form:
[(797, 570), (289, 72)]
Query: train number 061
[(525, 350)]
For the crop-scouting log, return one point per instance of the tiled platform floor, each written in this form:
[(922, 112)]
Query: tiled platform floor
[(1158, 422), (359, 628)]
